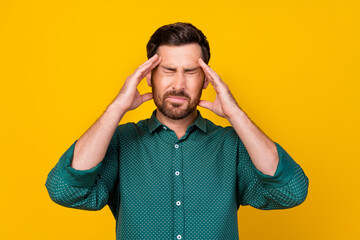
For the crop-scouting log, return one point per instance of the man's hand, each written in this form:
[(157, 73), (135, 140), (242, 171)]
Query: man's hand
[(225, 104), (262, 150), (129, 97), (91, 147)]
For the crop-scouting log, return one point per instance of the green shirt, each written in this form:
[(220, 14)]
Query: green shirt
[(161, 187)]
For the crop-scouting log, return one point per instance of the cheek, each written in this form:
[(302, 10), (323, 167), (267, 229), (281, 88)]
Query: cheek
[(195, 82), (160, 81), (164, 79)]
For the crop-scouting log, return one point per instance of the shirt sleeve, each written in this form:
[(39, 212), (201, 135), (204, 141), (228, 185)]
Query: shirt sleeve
[(287, 188), (84, 189)]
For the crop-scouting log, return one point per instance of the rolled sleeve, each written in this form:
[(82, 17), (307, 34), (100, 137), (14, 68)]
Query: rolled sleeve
[(287, 188), (74, 177), (284, 171)]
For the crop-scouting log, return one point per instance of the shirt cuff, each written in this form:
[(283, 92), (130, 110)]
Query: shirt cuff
[(284, 172), (74, 177)]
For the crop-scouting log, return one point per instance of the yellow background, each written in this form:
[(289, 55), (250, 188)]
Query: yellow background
[(293, 66)]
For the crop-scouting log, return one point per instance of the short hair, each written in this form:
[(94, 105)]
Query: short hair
[(177, 34)]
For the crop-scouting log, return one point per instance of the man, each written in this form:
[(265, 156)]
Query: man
[(176, 175)]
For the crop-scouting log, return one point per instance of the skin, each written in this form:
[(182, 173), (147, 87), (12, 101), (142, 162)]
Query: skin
[(90, 149), (261, 148), (177, 84)]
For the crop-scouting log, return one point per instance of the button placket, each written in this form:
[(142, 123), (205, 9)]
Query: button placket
[(178, 190)]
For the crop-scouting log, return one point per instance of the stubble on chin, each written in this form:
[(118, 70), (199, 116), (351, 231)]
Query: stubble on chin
[(175, 111)]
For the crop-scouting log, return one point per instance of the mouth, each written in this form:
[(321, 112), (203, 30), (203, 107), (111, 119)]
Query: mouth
[(177, 99)]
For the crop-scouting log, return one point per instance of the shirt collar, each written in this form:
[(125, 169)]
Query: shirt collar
[(199, 122), (153, 122)]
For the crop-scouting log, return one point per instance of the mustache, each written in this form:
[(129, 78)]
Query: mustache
[(174, 93)]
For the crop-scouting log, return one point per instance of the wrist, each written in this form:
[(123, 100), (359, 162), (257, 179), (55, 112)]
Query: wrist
[(237, 114), (117, 107)]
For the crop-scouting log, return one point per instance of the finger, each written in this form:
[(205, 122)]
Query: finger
[(146, 69), (157, 62), (213, 77), (140, 73), (206, 104), (207, 72), (209, 68), (218, 84), (147, 63), (146, 97), (152, 59)]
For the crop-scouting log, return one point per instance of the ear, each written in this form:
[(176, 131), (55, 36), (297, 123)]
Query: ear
[(206, 83), (148, 79)]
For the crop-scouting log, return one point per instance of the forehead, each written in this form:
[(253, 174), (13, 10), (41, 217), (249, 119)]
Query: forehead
[(180, 56)]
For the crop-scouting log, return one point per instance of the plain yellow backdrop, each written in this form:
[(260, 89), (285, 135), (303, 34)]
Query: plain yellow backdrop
[(293, 67)]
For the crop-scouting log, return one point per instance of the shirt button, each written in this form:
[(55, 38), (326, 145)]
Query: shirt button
[(178, 237), (165, 128), (176, 146), (178, 203), (177, 173)]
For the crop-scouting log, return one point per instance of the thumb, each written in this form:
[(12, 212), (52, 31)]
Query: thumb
[(206, 104), (146, 97)]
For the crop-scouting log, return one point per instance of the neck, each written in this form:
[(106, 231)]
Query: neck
[(178, 126)]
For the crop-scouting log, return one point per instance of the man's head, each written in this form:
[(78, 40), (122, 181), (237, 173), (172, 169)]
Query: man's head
[(177, 82), (178, 34)]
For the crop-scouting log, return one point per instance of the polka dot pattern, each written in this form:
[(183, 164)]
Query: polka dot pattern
[(161, 187)]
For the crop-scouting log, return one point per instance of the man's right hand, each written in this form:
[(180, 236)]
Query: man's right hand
[(129, 97), (90, 149)]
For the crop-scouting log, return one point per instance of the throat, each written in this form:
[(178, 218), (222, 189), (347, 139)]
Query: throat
[(179, 126)]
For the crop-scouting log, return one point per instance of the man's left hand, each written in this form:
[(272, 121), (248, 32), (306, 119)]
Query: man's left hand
[(225, 104)]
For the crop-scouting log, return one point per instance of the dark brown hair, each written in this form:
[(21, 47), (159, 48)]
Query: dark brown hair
[(179, 33)]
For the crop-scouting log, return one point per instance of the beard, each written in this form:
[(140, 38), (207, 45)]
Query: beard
[(174, 110)]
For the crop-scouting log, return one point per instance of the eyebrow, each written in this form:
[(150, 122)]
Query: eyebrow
[(174, 69)]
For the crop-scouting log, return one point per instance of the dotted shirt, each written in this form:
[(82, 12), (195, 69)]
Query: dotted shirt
[(161, 187)]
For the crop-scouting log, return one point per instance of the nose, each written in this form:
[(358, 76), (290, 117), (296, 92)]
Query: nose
[(179, 81)]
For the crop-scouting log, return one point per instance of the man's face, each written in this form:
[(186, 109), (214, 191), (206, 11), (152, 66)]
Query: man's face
[(177, 82)]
